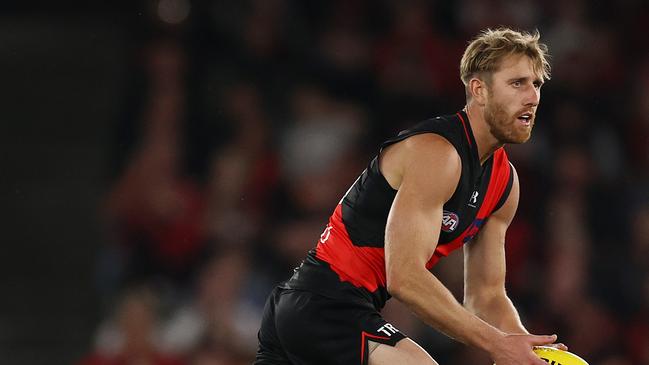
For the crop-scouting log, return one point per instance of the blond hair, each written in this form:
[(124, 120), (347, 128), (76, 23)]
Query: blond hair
[(485, 53)]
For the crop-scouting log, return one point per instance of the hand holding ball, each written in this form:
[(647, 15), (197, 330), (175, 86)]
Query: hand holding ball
[(554, 356)]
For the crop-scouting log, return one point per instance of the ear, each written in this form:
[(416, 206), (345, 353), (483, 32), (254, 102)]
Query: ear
[(478, 90)]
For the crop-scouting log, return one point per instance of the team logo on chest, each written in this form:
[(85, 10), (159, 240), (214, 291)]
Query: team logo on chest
[(450, 221)]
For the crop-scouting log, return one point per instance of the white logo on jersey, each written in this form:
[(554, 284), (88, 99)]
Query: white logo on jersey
[(325, 235), (474, 199)]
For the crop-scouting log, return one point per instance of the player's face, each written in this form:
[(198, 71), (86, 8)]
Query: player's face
[(513, 93)]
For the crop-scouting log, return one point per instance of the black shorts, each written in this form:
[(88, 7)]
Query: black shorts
[(300, 327)]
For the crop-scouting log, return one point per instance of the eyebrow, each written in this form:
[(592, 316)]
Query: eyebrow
[(525, 78)]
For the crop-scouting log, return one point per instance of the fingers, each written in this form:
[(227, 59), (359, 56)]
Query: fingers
[(537, 340), (559, 346), (538, 361), (519, 347)]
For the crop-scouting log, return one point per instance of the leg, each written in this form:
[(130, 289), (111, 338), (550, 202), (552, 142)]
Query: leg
[(315, 330), (405, 352)]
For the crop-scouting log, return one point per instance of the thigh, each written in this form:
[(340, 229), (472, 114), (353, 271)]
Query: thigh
[(317, 330), (406, 352)]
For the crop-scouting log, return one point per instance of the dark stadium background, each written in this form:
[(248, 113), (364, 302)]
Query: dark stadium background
[(158, 154)]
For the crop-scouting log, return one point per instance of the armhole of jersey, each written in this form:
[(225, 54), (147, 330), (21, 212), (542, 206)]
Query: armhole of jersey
[(508, 189)]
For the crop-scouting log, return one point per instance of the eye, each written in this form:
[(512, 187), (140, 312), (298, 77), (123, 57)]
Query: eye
[(517, 83), (537, 84)]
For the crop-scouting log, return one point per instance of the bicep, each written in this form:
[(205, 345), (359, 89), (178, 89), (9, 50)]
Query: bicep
[(430, 171), (484, 259)]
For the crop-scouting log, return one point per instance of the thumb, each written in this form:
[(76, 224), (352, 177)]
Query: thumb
[(538, 340)]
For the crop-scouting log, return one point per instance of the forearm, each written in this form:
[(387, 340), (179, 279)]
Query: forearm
[(434, 304), (497, 310)]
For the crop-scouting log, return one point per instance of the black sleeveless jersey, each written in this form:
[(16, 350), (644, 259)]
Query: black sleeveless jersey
[(349, 259)]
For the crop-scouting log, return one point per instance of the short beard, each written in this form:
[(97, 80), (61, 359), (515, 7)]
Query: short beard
[(502, 126)]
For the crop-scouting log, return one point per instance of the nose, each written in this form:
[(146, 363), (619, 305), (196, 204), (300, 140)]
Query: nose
[(533, 96)]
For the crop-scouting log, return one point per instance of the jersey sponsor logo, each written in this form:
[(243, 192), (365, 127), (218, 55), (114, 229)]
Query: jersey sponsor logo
[(450, 221), (387, 329), (474, 199)]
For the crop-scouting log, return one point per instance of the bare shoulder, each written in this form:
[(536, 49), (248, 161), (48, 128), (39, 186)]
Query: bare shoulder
[(425, 153)]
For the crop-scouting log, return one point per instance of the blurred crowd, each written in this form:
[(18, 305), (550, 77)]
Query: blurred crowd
[(245, 122)]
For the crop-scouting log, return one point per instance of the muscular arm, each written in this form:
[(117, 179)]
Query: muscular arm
[(426, 170), (484, 270)]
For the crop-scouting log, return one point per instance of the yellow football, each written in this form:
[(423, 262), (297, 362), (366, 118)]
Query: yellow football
[(555, 356)]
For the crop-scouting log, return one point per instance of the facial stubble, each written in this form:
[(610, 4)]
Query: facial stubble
[(503, 126)]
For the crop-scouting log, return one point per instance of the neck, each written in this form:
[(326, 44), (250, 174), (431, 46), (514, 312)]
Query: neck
[(484, 140)]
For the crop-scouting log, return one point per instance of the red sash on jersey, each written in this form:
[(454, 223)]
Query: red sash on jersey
[(365, 266), (361, 266)]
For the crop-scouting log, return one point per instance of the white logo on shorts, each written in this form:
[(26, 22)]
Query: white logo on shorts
[(388, 329)]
